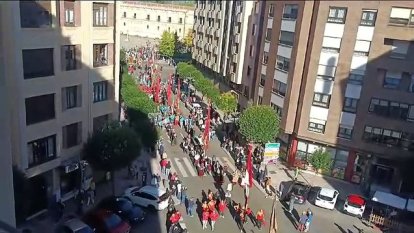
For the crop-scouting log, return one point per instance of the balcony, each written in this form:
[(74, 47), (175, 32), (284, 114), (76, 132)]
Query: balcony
[(210, 14), (215, 50), (236, 38), (217, 33), (239, 17), (200, 27), (238, 9), (206, 46), (232, 77), (218, 14), (234, 58)]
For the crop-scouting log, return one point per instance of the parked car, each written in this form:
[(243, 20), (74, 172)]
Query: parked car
[(148, 196), (296, 188), (124, 208), (326, 198), (103, 221), (355, 205), (74, 225)]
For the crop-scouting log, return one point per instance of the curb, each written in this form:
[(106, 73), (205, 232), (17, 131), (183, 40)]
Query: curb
[(258, 186)]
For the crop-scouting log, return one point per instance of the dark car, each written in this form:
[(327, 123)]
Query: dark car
[(103, 221), (296, 188), (124, 208)]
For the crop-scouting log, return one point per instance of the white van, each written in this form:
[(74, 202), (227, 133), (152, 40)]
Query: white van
[(326, 198)]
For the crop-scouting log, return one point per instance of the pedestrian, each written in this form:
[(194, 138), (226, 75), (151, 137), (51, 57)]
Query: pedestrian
[(241, 218), (163, 164), (222, 207), (91, 197), (291, 203), (302, 221), (154, 180), (183, 195), (136, 172), (213, 218), (205, 217), (249, 213), (167, 168), (228, 197), (204, 206), (309, 214), (190, 207), (260, 219), (179, 189), (92, 186), (296, 173)]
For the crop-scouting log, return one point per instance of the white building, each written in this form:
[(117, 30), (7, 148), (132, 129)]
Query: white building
[(151, 19)]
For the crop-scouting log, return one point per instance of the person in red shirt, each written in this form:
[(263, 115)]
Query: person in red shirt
[(205, 217), (211, 205), (260, 218), (213, 218), (222, 207), (248, 213)]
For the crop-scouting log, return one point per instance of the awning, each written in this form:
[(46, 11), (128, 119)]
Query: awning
[(390, 200)]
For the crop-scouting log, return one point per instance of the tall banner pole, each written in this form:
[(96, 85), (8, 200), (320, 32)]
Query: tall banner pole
[(250, 164), (207, 127), (177, 100)]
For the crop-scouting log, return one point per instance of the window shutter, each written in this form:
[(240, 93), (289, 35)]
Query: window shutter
[(64, 106), (111, 54), (78, 56), (111, 11)]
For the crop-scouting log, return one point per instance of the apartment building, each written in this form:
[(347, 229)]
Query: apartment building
[(145, 19), (59, 72), (226, 41), (339, 75)]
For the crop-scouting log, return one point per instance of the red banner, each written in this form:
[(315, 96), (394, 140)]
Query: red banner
[(250, 164)]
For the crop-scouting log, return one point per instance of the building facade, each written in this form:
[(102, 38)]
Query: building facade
[(226, 41), (339, 75), (62, 79), (144, 19)]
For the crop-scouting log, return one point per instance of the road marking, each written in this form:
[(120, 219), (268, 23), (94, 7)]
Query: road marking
[(232, 167), (181, 167), (190, 166)]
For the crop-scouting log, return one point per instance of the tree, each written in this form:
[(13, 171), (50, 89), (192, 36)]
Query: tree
[(321, 160), (259, 124), (112, 148), (227, 102), (167, 44), (188, 39)]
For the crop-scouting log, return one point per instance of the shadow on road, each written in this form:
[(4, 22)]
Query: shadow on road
[(340, 228)]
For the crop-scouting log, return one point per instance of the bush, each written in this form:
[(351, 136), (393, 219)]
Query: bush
[(321, 160)]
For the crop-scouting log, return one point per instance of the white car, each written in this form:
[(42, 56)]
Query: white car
[(326, 198), (355, 205), (148, 196)]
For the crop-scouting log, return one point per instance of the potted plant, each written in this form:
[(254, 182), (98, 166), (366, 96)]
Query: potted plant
[(321, 160)]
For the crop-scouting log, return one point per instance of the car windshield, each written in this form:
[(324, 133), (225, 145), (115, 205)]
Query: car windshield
[(325, 198), (112, 221), (164, 196), (354, 205), (85, 230)]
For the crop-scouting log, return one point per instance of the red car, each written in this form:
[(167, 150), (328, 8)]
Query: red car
[(103, 221)]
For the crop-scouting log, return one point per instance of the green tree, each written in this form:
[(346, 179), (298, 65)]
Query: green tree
[(167, 44), (188, 39), (259, 124), (321, 160), (227, 102), (112, 148)]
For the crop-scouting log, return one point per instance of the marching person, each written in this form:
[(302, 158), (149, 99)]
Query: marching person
[(205, 217), (222, 207), (213, 218), (260, 219), (190, 207)]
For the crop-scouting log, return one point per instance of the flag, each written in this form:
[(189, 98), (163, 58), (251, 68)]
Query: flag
[(250, 164)]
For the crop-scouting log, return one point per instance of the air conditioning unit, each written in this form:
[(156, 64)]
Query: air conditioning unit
[(71, 167)]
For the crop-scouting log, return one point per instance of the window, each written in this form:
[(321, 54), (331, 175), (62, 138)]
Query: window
[(278, 109), (69, 13), (251, 51), (262, 80), (355, 79), (35, 14), (124, 15), (399, 48), (169, 19), (159, 18), (254, 29), (100, 121), (392, 80), (282, 63), (390, 109), (265, 58), (100, 15), (286, 38), (279, 88), (100, 55), (290, 11), (100, 91), (268, 36), (402, 16), (148, 17), (180, 20), (41, 150), (368, 18), (71, 135), (40, 108), (337, 15), (249, 69), (350, 105), (382, 136), (158, 27), (330, 50), (271, 11), (135, 15), (179, 30), (71, 97), (69, 57), (317, 126), (148, 27), (37, 63), (320, 99), (345, 131), (260, 100)]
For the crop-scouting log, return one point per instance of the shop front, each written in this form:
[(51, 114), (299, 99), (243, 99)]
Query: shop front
[(73, 176), (40, 192)]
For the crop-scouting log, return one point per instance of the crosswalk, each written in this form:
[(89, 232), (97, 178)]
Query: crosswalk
[(184, 168)]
